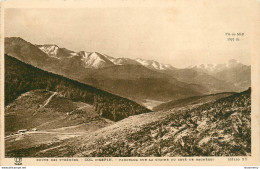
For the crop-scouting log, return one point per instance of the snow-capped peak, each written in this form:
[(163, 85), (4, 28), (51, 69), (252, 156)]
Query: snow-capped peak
[(55, 51), (122, 61), (154, 64), (94, 60), (50, 50), (146, 63)]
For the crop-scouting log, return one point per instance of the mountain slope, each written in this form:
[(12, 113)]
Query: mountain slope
[(130, 72), (218, 128), (47, 57), (21, 78), (139, 83), (27, 52)]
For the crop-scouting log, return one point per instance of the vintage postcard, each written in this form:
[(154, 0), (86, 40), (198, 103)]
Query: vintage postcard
[(120, 82)]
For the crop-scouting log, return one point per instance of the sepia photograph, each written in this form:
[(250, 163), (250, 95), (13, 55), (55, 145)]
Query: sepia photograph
[(169, 80)]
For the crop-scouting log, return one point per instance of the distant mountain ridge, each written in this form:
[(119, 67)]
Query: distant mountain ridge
[(140, 79), (55, 51), (215, 68), (96, 60), (232, 72)]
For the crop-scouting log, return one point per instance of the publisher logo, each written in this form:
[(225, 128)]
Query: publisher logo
[(18, 160)]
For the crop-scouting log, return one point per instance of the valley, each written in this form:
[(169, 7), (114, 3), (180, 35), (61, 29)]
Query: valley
[(150, 104)]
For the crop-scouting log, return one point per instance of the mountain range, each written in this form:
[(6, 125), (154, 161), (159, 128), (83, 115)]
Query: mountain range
[(96, 60), (136, 79)]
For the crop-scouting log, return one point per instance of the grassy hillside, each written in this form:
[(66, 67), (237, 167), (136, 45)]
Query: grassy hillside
[(46, 110), (21, 78), (218, 128), (191, 100)]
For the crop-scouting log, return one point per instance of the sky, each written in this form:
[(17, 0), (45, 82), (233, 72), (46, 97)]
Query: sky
[(183, 33)]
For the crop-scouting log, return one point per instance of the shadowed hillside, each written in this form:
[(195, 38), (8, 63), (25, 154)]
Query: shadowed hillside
[(21, 78)]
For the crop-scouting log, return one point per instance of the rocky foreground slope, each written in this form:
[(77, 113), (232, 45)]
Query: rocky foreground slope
[(218, 128)]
